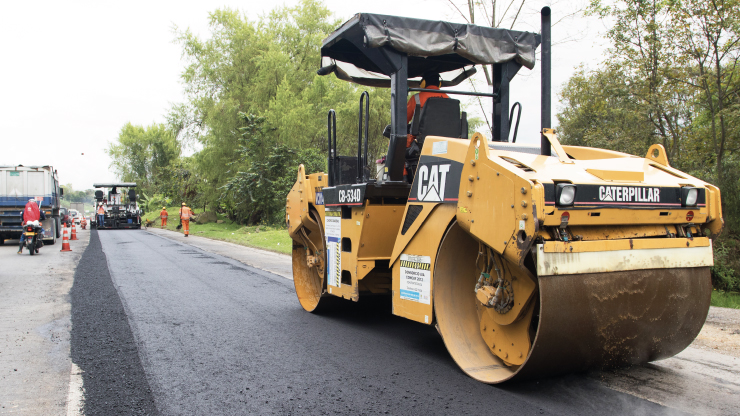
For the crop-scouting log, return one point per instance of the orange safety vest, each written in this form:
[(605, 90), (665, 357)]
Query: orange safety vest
[(163, 214), (101, 211), (185, 213)]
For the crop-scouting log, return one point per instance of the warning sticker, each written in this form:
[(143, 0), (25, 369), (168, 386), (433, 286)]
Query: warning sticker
[(333, 229), (439, 148), (415, 278)]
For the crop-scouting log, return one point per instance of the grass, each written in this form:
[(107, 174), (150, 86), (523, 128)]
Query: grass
[(726, 299), (267, 238)]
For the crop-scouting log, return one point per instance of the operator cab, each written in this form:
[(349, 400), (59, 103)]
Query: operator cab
[(394, 52)]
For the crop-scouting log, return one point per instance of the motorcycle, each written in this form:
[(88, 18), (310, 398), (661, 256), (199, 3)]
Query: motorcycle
[(34, 237)]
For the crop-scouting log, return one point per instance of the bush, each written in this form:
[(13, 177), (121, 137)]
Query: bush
[(266, 172), (724, 271)]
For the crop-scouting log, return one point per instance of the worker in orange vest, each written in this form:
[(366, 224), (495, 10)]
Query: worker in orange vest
[(429, 81), (101, 216), (163, 217), (185, 214)]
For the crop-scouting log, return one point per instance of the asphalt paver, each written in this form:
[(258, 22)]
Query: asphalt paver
[(215, 336)]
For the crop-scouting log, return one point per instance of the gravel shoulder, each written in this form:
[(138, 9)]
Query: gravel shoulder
[(35, 365), (721, 332)]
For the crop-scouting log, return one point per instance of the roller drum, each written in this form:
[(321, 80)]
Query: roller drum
[(582, 321)]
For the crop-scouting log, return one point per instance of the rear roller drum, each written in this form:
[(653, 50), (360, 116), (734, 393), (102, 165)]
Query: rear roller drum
[(309, 259)]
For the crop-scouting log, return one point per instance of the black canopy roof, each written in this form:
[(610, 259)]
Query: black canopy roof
[(362, 50), (115, 185)]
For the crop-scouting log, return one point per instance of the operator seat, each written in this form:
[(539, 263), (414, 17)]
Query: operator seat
[(439, 117)]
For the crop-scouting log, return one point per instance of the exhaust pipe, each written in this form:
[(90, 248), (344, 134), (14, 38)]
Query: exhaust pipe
[(546, 121)]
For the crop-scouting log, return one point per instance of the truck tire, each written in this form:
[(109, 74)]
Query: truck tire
[(53, 239)]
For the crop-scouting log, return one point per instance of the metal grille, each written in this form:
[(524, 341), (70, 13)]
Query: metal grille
[(411, 214)]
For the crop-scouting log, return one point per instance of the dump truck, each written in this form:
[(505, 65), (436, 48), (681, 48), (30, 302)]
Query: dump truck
[(530, 260), (20, 183), (119, 213)]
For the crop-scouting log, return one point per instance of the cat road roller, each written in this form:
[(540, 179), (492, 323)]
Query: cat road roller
[(530, 260)]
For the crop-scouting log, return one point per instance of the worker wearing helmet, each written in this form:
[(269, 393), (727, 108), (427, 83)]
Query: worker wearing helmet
[(185, 214), (430, 81), (30, 213), (163, 217), (101, 215)]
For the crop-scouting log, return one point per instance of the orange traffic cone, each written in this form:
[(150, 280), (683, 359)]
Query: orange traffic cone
[(65, 240), (74, 231)]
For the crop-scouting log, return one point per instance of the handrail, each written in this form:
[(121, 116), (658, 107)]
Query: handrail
[(476, 94), (362, 160), (331, 127), (518, 117)]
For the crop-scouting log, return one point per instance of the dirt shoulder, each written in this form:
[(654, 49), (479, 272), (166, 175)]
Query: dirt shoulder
[(721, 332)]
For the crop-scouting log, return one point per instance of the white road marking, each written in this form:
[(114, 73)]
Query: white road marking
[(76, 395)]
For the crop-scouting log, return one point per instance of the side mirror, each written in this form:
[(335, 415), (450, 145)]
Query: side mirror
[(387, 131), (61, 191)]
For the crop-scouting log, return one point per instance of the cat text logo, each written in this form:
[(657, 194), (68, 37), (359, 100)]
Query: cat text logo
[(432, 179), (628, 194)]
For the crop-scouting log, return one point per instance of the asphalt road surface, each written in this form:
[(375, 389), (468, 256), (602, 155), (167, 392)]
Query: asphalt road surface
[(193, 332)]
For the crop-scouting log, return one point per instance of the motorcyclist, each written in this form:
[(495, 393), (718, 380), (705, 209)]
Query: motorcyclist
[(30, 213)]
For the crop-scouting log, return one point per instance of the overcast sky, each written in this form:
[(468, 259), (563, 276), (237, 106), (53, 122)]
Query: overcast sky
[(73, 73)]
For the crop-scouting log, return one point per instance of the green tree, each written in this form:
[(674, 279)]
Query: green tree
[(142, 154), (256, 192), (672, 77), (266, 68)]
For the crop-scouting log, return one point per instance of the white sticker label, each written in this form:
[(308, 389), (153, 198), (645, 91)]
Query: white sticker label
[(333, 229), (521, 224), (439, 148), (415, 278)]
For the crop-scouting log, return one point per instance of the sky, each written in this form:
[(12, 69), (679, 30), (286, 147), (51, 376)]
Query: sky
[(73, 73)]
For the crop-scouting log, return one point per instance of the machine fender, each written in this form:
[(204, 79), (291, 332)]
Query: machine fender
[(496, 205), (421, 246), (305, 192)]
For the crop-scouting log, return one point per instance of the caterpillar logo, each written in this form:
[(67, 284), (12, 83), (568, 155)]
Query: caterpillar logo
[(628, 194), (415, 265), (432, 181)]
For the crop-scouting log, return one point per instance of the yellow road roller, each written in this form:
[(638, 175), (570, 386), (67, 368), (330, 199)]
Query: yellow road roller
[(530, 260)]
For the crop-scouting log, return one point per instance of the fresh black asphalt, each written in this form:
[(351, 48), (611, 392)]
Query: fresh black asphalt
[(102, 344), (215, 336)]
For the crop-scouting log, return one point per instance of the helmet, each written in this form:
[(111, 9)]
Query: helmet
[(164, 208), (430, 78), (183, 204)]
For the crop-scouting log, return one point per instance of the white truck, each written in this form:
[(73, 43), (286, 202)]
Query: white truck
[(20, 183)]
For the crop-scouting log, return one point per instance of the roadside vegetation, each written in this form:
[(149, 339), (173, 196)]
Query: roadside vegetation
[(255, 108), (726, 299), (258, 236)]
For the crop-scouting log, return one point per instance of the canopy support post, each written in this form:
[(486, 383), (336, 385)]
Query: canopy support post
[(395, 160), (501, 103)]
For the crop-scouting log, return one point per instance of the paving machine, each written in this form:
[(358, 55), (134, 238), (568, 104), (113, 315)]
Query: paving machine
[(530, 260), (118, 212)]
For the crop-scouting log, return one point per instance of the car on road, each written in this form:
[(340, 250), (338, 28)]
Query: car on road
[(75, 216)]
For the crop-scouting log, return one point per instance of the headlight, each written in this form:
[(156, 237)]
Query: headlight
[(565, 194), (689, 196)]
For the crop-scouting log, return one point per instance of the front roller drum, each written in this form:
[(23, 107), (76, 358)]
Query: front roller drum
[(576, 322)]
